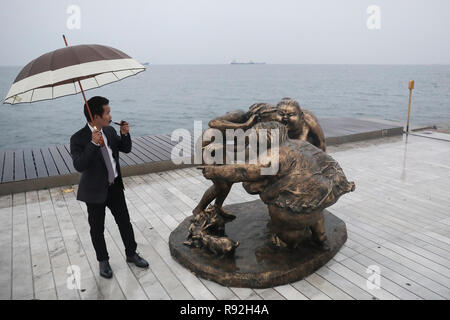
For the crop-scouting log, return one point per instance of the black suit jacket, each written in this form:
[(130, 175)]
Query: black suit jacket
[(88, 159)]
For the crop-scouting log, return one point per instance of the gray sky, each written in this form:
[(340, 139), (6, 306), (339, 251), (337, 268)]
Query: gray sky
[(212, 31)]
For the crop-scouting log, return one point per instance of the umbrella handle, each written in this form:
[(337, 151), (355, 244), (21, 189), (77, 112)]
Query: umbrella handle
[(82, 92)]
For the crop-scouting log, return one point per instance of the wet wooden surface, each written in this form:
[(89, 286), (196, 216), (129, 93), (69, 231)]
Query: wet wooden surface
[(398, 220)]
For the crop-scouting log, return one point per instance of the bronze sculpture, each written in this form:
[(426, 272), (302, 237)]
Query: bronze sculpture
[(308, 181), (288, 233), (301, 123)]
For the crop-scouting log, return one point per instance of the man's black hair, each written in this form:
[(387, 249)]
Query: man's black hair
[(96, 106)]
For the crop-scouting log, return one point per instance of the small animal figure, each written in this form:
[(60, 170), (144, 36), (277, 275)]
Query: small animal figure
[(216, 223), (220, 246)]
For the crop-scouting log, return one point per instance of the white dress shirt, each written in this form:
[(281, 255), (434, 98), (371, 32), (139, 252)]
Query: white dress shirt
[(105, 139)]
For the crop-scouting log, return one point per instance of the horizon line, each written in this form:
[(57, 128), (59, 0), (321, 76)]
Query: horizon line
[(266, 63)]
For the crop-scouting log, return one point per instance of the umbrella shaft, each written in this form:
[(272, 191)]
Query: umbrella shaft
[(82, 91), (85, 101)]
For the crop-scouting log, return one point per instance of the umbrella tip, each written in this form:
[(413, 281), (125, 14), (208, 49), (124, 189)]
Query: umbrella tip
[(64, 38)]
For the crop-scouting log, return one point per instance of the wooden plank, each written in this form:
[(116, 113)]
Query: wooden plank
[(219, 291), (411, 247), (327, 287), (361, 282), (71, 239), (135, 158), (344, 284), (422, 257), (49, 163), (187, 145), (309, 291), (289, 292), (59, 162), (402, 269), (161, 144), (57, 250), (157, 145), (410, 272), (143, 152), (428, 241), (125, 159), (424, 246), (429, 273), (8, 170), (166, 138), (163, 223), (30, 169), (269, 294), (399, 278), (6, 237), (43, 281), (156, 153), (19, 166), (41, 169), (245, 293), (159, 152), (170, 196), (22, 276), (66, 157)]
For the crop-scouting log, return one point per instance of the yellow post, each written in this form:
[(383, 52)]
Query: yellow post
[(410, 87)]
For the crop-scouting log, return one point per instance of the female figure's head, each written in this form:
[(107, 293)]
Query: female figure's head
[(290, 113)]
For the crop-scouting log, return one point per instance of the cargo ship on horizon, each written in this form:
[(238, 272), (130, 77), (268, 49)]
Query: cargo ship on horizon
[(249, 62)]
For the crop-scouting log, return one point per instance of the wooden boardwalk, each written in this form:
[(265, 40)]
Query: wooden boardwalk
[(398, 219), (39, 168)]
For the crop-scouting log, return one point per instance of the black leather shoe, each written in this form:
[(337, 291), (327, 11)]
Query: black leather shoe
[(138, 261), (105, 269)]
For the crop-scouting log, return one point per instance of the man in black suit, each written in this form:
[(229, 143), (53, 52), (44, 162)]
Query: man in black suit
[(95, 153)]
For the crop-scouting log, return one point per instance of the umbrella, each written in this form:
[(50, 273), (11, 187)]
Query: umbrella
[(71, 70)]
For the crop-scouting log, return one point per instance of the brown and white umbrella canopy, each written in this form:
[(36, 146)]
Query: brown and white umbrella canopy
[(56, 74)]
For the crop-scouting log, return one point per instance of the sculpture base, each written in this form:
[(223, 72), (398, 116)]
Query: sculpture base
[(256, 263)]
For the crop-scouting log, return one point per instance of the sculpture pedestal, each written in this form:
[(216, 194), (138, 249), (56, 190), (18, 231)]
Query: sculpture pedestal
[(256, 263)]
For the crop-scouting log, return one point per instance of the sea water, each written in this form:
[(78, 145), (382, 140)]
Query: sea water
[(167, 97)]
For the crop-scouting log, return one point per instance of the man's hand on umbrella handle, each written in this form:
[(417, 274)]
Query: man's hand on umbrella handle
[(124, 127), (96, 136)]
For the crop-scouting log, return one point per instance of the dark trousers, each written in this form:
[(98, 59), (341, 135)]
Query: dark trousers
[(96, 216)]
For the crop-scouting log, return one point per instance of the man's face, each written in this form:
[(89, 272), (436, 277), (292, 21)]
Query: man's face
[(105, 119), (289, 116)]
